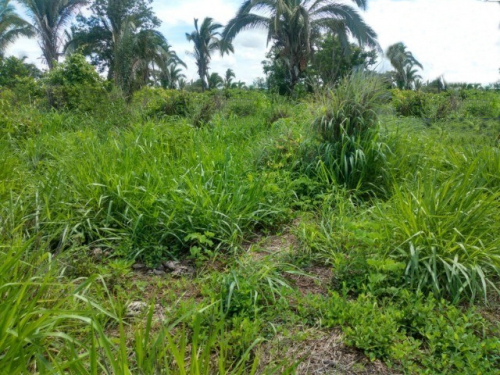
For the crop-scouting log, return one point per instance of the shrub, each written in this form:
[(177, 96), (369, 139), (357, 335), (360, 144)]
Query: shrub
[(426, 105), (74, 84), (250, 287), (481, 103), (243, 103), (159, 102), (410, 103), (410, 330)]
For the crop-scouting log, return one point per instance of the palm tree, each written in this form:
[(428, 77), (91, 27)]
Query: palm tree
[(11, 26), (215, 81), (112, 25), (404, 64), (295, 25), (239, 85), (206, 40), (172, 78), (228, 79), (48, 19), (138, 55)]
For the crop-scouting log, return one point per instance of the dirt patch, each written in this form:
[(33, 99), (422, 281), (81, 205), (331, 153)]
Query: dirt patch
[(262, 246), (322, 353), (317, 280)]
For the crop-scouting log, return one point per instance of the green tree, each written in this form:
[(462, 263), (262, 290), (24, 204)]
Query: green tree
[(11, 26), (99, 36), (172, 77), (215, 81), (295, 25), (331, 63), (139, 56), (206, 40), (12, 69), (404, 64), (228, 79), (48, 19), (120, 37), (74, 83)]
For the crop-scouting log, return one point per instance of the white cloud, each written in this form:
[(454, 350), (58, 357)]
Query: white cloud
[(459, 39), (455, 38)]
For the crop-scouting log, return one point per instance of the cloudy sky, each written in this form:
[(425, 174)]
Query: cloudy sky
[(459, 39)]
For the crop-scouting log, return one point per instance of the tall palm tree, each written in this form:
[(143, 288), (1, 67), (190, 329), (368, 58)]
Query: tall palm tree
[(11, 25), (207, 40), (228, 79), (404, 64), (48, 19), (295, 25)]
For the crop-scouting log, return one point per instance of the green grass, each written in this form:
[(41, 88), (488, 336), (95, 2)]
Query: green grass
[(404, 215)]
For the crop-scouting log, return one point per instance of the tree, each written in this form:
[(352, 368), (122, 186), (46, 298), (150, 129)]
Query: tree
[(138, 56), (404, 64), (331, 63), (215, 81), (99, 36), (48, 19), (12, 69), (206, 40), (11, 26), (295, 25), (120, 37), (172, 78), (228, 79)]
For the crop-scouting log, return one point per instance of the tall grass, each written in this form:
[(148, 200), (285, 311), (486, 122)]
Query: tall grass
[(347, 128), (447, 231), (143, 189)]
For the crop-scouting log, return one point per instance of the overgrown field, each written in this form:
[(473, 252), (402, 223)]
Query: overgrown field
[(236, 232)]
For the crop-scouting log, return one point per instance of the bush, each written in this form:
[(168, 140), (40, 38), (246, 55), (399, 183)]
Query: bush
[(158, 102), (243, 103), (409, 330), (426, 105), (74, 84), (481, 103)]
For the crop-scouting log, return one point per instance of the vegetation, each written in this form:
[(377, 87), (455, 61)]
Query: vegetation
[(48, 19), (206, 41), (154, 226), (12, 26), (294, 27)]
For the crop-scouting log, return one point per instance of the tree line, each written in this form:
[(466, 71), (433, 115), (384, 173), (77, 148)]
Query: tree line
[(312, 42)]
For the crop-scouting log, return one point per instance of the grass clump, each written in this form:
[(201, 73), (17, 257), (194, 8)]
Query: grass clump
[(446, 228), (349, 151)]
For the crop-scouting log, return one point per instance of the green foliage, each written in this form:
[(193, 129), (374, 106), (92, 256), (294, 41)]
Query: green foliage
[(244, 103), (13, 69), (481, 103), (331, 63), (295, 27), (159, 102), (420, 333), (74, 84), (391, 215)]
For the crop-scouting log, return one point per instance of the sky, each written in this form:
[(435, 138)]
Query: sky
[(456, 39)]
